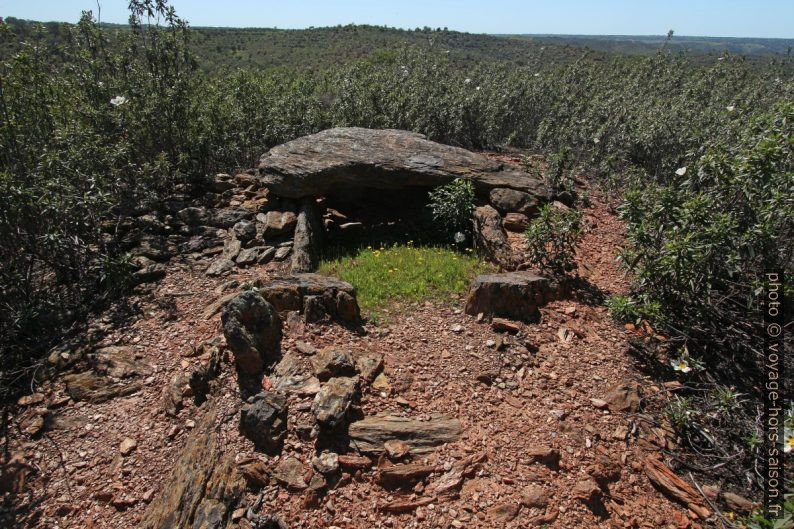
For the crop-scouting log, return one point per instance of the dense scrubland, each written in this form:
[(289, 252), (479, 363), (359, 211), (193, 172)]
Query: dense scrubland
[(103, 122)]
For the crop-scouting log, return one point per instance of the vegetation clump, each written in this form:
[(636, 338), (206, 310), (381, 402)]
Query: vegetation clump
[(452, 206), (552, 236), (404, 272)]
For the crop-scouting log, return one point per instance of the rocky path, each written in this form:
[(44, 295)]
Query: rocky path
[(550, 431)]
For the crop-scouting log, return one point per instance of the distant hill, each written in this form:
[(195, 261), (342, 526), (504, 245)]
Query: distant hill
[(220, 49), (645, 44), (225, 48)]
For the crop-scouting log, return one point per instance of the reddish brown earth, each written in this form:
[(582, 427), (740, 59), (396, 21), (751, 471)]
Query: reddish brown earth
[(77, 473)]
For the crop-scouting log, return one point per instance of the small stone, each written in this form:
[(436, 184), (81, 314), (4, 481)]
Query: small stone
[(565, 334), (457, 328), (737, 503), (490, 343), (381, 383), (503, 325), (128, 445), (534, 496), (326, 463), (289, 472), (333, 362), (586, 490), (32, 399), (305, 348), (190, 424), (396, 449), (599, 403)]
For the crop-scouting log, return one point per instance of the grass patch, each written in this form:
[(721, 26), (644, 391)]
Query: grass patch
[(404, 273)]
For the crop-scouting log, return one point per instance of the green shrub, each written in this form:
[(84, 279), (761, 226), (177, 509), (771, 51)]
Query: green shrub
[(452, 206), (701, 241), (552, 237)]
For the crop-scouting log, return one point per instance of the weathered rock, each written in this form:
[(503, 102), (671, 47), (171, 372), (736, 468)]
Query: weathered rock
[(200, 378), (331, 404), (336, 160), (313, 309), (354, 462), (404, 476), (515, 222), (369, 434), (288, 293), (264, 421), (326, 463), (624, 396), (253, 331), (534, 496), (546, 455), (203, 488), (278, 223), (289, 472), (737, 503), (127, 446), (172, 394), (448, 484), (256, 473), (194, 216), (333, 362), (226, 218), (249, 256), (149, 274), (369, 365), (231, 247), (308, 238), (220, 266), (281, 253), (244, 230), (490, 239), (91, 387), (302, 385), (504, 512), (675, 487), (119, 362), (586, 491), (506, 200), (396, 449), (515, 295), (267, 254)]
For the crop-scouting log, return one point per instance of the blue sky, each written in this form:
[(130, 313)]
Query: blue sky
[(732, 18)]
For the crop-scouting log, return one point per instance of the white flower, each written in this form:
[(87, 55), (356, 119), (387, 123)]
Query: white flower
[(596, 140), (681, 171), (467, 80), (788, 443), (459, 237), (537, 75), (730, 108), (118, 101), (477, 88), (680, 365)]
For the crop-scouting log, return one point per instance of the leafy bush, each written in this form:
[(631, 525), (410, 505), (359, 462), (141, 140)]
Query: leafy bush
[(452, 206), (701, 241), (552, 237), (82, 142)]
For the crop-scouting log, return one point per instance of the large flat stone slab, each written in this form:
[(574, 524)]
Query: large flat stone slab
[(339, 159)]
